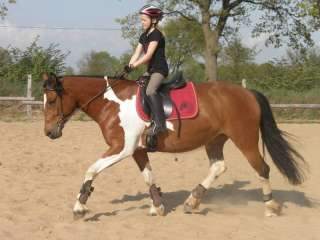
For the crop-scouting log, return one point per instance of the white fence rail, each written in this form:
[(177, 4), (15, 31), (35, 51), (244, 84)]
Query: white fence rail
[(28, 100), (306, 106)]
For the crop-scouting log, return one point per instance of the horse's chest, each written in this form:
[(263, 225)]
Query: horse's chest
[(129, 119)]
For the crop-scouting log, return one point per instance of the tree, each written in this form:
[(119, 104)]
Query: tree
[(280, 20), (236, 59), (184, 44), (312, 8), (3, 7), (33, 60), (98, 63)]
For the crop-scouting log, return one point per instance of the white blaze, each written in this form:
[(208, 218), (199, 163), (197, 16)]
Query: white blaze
[(44, 100)]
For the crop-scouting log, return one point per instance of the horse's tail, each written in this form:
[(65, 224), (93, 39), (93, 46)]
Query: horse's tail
[(284, 156)]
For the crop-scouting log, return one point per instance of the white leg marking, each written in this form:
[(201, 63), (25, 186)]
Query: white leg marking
[(170, 125), (78, 207), (147, 175), (133, 127), (152, 210), (216, 169), (266, 188)]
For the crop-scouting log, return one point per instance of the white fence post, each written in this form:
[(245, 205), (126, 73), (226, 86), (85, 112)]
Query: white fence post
[(29, 95), (244, 83)]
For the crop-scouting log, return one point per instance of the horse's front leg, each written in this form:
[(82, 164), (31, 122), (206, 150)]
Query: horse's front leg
[(142, 160), (115, 153)]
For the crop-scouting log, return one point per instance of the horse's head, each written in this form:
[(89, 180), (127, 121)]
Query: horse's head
[(58, 105)]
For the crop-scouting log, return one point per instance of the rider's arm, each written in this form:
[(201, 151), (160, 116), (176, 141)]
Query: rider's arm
[(146, 58), (137, 54)]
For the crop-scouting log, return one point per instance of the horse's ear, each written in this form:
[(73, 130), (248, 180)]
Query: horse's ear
[(49, 79), (53, 78)]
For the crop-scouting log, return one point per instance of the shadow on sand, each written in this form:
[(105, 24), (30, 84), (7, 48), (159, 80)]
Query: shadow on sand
[(232, 194)]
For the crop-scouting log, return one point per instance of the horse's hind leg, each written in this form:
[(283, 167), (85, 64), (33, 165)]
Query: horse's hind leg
[(248, 145), (272, 208), (142, 160), (214, 151)]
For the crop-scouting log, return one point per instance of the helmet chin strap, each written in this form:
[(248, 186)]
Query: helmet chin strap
[(153, 24)]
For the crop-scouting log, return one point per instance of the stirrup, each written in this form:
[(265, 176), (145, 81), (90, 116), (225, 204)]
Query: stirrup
[(155, 129), (151, 143)]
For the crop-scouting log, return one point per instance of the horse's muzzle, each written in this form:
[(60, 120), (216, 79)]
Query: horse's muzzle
[(55, 132)]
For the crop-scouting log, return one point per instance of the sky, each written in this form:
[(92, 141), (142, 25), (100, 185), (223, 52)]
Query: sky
[(87, 14)]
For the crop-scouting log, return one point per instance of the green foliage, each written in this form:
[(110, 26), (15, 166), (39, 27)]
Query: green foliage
[(193, 70), (235, 59), (283, 21), (34, 60), (311, 8), (184, 40), (298, 71), (98, 63)]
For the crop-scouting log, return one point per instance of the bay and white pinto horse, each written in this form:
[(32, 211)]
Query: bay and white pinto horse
[(226, 111)]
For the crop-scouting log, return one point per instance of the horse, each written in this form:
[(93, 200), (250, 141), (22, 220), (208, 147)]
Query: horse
[(226, 111)]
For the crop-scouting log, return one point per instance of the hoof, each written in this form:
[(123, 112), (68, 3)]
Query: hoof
[(191, 204), (272, 208), (157, 211), (79, 214), (187, 209)]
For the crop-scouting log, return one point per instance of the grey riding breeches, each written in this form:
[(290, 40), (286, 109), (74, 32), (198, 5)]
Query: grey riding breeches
[(154, 83)]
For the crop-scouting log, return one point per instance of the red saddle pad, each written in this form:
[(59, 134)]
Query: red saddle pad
[(184, 98)]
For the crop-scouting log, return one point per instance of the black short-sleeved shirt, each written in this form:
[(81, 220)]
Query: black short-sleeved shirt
[(158, 62)]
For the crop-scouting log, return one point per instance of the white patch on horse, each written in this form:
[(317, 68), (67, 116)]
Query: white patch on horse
[(129, 117), (44, 100), (216, 170), (132, 126), (170, 125), (147, 175)]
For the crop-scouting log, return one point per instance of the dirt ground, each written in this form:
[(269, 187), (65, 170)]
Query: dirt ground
[(40, 179)]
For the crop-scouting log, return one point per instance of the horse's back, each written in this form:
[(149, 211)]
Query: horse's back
[(231, 102)]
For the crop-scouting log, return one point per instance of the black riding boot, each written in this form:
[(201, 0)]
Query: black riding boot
[(157, 114)]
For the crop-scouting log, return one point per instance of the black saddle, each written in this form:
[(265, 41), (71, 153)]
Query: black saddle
[(176, 82)]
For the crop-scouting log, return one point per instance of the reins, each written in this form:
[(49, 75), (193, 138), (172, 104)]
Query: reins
[(65, 117)]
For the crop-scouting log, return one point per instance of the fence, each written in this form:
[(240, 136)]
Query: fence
[(29, 100)]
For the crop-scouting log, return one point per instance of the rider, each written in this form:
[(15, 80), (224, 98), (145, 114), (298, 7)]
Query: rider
[(152, 44)]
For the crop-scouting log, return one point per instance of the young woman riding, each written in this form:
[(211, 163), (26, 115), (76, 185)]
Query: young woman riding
[(152, 44)]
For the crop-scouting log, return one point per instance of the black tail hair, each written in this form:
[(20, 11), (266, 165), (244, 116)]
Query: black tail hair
[(284, 156)]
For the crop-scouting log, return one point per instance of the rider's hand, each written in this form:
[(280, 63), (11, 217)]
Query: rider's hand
[(128, 68)]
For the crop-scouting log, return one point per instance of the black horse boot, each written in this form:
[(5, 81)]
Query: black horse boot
[(157, 114)]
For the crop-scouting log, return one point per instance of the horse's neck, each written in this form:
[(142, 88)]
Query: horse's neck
[(117, 91), (121, 89)]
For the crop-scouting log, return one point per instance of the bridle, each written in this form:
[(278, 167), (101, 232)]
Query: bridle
[(59, 90)]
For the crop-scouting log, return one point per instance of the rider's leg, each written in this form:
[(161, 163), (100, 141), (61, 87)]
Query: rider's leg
[(155, 103)]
